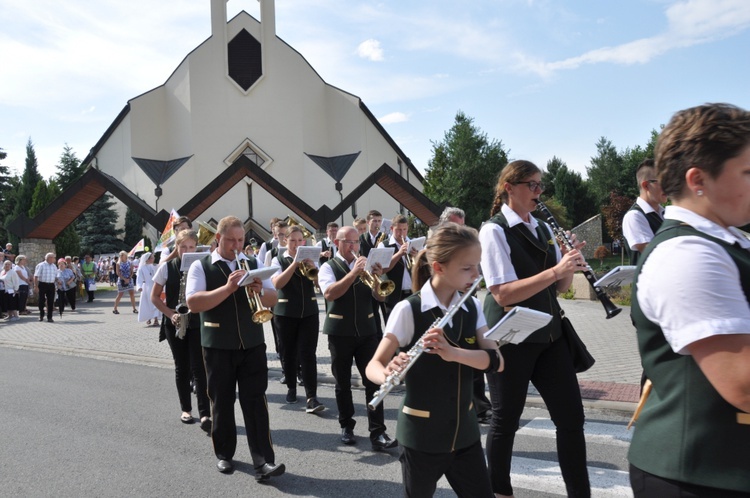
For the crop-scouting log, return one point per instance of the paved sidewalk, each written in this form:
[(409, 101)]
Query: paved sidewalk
[(93, 330)]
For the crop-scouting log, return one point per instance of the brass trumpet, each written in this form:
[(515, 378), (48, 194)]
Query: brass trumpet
[(260, 314), (309, 271), (382, 287)]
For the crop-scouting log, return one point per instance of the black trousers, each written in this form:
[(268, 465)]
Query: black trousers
[(550, 368), (63, 296), (23, 296), (246, 370), (344, 350), (465, 470), (46, 295), (647, 485), (481, 402), (188, 364), (300, 339)]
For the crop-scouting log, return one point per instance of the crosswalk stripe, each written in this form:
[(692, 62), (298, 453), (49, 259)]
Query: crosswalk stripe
[(596, 432), (545, 476)]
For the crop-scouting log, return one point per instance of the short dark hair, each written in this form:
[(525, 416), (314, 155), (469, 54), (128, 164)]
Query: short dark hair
[(332, 224), (372, 213)]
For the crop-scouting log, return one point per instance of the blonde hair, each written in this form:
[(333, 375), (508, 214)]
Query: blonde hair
[(229, 222), (448, 239), (188, 233)]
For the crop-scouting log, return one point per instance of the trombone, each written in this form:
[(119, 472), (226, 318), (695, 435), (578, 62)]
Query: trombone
[(260, 314)]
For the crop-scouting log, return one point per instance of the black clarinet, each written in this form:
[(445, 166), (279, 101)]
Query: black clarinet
[(609, 306)]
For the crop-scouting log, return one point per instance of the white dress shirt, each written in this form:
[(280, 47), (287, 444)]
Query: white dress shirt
[(196, 278), (690, 286), (406, 279), (401, 321), (497, 267), (635, 227), (326, 277)]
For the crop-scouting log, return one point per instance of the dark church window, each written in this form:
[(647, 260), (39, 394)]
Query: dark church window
[(245, 64)]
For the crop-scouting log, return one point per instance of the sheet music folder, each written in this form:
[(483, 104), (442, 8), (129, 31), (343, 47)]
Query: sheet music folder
[(518, 324), (619, 276), (260, 273)]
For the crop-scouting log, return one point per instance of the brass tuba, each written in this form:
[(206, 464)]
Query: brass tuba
[(206, 233), (292, 221)]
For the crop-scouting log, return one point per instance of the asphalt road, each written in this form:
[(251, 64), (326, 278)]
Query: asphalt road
[(75, 426)]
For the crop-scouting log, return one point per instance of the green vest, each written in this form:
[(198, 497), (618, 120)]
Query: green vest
[(654, 222), (529, 255), (437, 414), (229, 325), (687, 432), (297, 298), (88, 269), (351, 314)]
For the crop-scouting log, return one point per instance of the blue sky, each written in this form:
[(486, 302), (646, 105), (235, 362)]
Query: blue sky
[(545, 77)]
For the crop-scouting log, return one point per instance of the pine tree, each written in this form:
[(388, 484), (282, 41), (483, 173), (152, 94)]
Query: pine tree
[(29, 181), (133, 227), (97, 228), (8, 186), (462, 169), (69, 169)]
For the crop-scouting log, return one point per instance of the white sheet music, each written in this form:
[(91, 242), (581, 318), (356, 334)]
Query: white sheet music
[(417, 244), (260, 273), (617, 277), (189, 257), (308, 252), (385, 226), (380, 255), (518, 324)]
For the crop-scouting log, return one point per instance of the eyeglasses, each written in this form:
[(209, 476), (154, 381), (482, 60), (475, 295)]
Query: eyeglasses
[(532, 185), (351, 242)]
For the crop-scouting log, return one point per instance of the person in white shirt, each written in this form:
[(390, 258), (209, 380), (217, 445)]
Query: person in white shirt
[(691, 310), (640, 223), (327, 247)]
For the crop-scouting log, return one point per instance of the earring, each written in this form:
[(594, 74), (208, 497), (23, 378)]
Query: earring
[(699, 192)]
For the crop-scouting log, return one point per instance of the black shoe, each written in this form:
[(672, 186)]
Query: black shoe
[(347, 436), (206, 425), (314, 406), (383, 442), (41, 318), (484, 418), (291, 396), (269, 470), (282, 380), (50, 320), (225, 466)]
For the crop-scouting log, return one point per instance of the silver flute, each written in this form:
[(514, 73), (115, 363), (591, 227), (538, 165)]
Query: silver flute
[(397, 377)]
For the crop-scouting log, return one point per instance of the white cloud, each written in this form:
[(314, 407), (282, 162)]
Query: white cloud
[(394, 117), (689, 22), (371, 50)]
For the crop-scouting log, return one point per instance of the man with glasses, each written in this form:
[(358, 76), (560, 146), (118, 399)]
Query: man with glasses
[(645, 217), (350, 327)]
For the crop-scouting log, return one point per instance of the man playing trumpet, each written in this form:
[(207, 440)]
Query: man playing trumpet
[(350, 327), (234, 350), (400, 269)]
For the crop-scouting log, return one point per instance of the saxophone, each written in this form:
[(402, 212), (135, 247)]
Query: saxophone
[(182, 310), (395, 378)]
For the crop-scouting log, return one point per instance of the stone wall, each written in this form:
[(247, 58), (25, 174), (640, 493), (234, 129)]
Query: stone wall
[(590, 231), (34, 250)]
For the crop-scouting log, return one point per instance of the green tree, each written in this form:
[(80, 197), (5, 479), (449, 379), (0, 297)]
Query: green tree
[(43, 194), (605, 171), (462, 168), (69, 169), (572, 192), (8, 186), (553, 167), (133, 228), (97, 228), (29, 180)]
